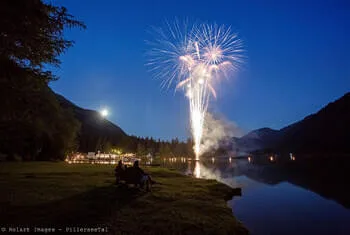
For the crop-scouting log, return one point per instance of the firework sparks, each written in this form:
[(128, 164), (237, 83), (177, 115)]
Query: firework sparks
[(195, 58)]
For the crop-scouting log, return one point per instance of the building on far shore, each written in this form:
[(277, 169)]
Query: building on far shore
[(102, 158)]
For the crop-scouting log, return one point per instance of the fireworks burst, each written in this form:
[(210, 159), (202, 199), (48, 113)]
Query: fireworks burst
[(195, 58)]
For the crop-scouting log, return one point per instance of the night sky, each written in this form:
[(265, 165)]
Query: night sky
[(298, 61)]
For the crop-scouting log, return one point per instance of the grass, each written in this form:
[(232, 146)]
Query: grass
[(59, 195)]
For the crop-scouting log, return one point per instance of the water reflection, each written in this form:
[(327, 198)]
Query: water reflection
[(272, 170), (291, 157), (220, 169), (287, 209), (197, 170), (276, 192)]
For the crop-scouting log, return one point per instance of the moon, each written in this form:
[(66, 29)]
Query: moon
[(104, 112)]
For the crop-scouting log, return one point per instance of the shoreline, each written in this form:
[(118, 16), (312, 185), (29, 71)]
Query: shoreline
[(38, 193)]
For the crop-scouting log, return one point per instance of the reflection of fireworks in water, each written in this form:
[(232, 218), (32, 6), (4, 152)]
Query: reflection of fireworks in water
[(197, 170), (195, 58)]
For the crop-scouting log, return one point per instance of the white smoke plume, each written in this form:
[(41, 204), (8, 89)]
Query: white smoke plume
[(207, 173), (216, 131)]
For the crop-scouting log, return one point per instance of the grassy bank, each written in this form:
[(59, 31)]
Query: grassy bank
[(59, 195)]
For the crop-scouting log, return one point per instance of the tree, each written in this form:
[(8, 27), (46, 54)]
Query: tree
[(141, 149), (165, 150), (189, 147), (107, 147), (31, 35), (32, 122)]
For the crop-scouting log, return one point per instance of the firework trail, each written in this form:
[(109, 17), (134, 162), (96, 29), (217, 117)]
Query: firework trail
[(195, 58)]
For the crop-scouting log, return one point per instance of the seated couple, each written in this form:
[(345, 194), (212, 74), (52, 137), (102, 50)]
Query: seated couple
[(132, 175)]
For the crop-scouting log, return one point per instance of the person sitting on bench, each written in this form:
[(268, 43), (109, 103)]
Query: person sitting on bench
[(145, 179), (119, 171)]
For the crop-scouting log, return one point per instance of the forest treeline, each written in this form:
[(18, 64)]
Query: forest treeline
[(143, 146)]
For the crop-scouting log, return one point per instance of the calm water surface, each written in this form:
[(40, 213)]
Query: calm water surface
[(270, 204)]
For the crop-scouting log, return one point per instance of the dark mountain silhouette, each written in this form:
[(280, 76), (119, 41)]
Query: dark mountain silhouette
[(96, 132), (327, 131), (258, 139)]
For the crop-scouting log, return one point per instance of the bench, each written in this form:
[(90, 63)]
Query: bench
[(131, 176)]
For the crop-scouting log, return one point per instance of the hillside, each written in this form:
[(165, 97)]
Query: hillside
[(328, 130), (96, 132), (257, 139)]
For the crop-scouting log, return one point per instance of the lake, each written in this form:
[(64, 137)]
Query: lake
[(276, 199)]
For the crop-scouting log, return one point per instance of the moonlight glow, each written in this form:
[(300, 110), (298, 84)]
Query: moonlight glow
[(195, 58), (104, 112)]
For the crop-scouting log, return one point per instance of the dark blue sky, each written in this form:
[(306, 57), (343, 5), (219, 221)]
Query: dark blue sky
[(298, 61)]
